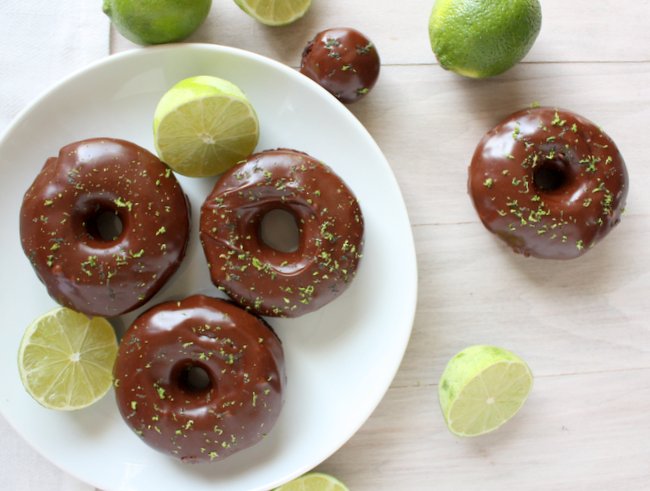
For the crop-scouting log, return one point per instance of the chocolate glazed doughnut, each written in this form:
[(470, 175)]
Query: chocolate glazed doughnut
[(200, 379), (61, 226), (548, 182), (329, 219)]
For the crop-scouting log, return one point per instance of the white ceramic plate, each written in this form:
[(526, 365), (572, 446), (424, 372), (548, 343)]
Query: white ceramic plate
[(340, 359)]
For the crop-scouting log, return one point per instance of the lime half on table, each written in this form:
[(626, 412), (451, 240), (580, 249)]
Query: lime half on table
[(481, 388), (66, 359), (314, 481), (275, 12)]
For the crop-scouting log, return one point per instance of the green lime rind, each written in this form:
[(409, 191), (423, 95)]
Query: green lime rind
[(156, 21), (275, 13), (483, 38), (314, 481), (482, 388)]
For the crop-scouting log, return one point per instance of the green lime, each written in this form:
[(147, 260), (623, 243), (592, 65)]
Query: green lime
[(275, 12), (481, 388), (203, 126), (156, 21), (66, 359), (314, 481), (483, 38)]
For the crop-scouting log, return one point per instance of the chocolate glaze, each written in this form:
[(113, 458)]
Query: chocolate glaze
[(267, 281), (59, 232), (548, 182), (244, 362), (343, 61)]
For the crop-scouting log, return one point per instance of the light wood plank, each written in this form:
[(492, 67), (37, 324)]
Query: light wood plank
[(579, 432), (576, 30), (562, 317)]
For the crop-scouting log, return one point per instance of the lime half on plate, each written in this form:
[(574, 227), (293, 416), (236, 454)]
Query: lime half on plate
[(66, 359)]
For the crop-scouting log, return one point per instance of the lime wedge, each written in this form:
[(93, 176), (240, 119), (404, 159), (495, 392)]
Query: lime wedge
[(275, 12), (203, 126), (481, 388), (66, 359), (314, 481)]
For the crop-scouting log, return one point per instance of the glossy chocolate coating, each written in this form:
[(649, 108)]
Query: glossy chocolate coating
[(244, 363), (329, 219), (548, 182), (343, 61), (82, 270)]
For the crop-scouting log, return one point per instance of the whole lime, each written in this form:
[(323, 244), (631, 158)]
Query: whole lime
[(483, 38), (156, 21)]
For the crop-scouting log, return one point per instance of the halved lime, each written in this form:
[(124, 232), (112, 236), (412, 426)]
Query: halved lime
[(203, 126), (275, 12), (481, 388), (66, 359), (314, 481)]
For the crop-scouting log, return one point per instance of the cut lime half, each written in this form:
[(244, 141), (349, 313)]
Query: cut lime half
[(314, 481), (481, 388), (66, 359), (275, 12), (203, 126)]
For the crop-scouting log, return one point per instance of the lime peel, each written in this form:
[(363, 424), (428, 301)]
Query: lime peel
[(156, 21), (482, 388)]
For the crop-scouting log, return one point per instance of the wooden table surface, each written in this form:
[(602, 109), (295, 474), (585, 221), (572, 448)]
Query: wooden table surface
[(583, 326)]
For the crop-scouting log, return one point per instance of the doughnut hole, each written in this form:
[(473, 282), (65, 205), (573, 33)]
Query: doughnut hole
[(105, 226), (552, 174), (99, 220), (279, 230), (192, 378)]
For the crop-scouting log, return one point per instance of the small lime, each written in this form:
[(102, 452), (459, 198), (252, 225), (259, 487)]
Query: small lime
[(66, 359), (156, 21), (483, 38), (275, 12), (203, 126), (314, 481), (481, 388)]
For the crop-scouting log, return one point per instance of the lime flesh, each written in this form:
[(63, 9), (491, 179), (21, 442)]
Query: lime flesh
[(275, 12), (66, 359), (482, 388), (204, 125), (314, 481), (483, 38)]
